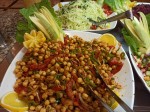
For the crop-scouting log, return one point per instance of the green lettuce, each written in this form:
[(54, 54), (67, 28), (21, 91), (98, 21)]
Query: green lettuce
[(134, 43), (118, 5)]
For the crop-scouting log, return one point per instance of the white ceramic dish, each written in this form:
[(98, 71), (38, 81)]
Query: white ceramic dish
[(112, 24), (123, 77), (140, 74)]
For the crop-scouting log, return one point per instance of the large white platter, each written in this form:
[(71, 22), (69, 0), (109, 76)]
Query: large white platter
[(112, 24), (123, 77)]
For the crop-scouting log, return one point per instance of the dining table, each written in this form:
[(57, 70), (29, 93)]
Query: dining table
[(7, 19)]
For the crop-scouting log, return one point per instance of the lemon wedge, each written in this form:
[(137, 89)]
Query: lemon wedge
[(108, 38), (33, 39), (12, 102)]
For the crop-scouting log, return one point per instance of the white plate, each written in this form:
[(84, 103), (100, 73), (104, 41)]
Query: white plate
[(137, 69), (112, 24), (123, 77)]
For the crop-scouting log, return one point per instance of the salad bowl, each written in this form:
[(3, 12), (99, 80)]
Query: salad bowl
[(111, 27), (137, 69)]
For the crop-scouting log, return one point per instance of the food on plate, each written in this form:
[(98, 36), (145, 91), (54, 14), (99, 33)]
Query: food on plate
[(75, 14), (55, 75), (12, 102), (137, 37)]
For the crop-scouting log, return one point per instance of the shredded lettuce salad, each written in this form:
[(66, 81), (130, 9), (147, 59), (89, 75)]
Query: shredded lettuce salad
[(75, 14)]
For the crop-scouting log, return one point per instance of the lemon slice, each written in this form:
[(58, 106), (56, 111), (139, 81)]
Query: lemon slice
[(33, 39), (12, 102), (108, 38)]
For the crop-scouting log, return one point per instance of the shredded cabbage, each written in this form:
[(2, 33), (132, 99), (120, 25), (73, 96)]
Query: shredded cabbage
[(75, 14)]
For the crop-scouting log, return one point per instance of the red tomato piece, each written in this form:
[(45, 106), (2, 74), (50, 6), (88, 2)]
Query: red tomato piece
[(69, 90), (20, 88), (93, 27), (57, 88), (118, 65), (76, 100)]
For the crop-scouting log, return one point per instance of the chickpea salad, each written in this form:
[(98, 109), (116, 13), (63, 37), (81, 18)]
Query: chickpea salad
[(54, 76)]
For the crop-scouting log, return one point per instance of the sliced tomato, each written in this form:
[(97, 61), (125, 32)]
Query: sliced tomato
[(20, 88), (57, 88), (76, 100), (97, 54), (93, 27), (33, 67), (75, 77), (42, 66), (69, 90), (118, 65), (107, 9)]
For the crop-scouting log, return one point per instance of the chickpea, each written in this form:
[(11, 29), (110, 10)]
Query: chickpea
[(44, 95), (53, 61), (43, 110), (38, 108), (57, 65), (146, 78), (63, 77), (68, 75), (25, 83), (81, 89), (22, 63), (80, 80), (61, 70), (40, 58), (63, 109), (84, 96), (52, 100), (35, 54), (50, 77), (89, 76), (66, 68), (53, 72), (31, 97), (42, 50), (32, 108), (57, 82), (47, 102), (98, 81), (44, 87), (37, 76), (86, 67), (71, 107), (82, 63)]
